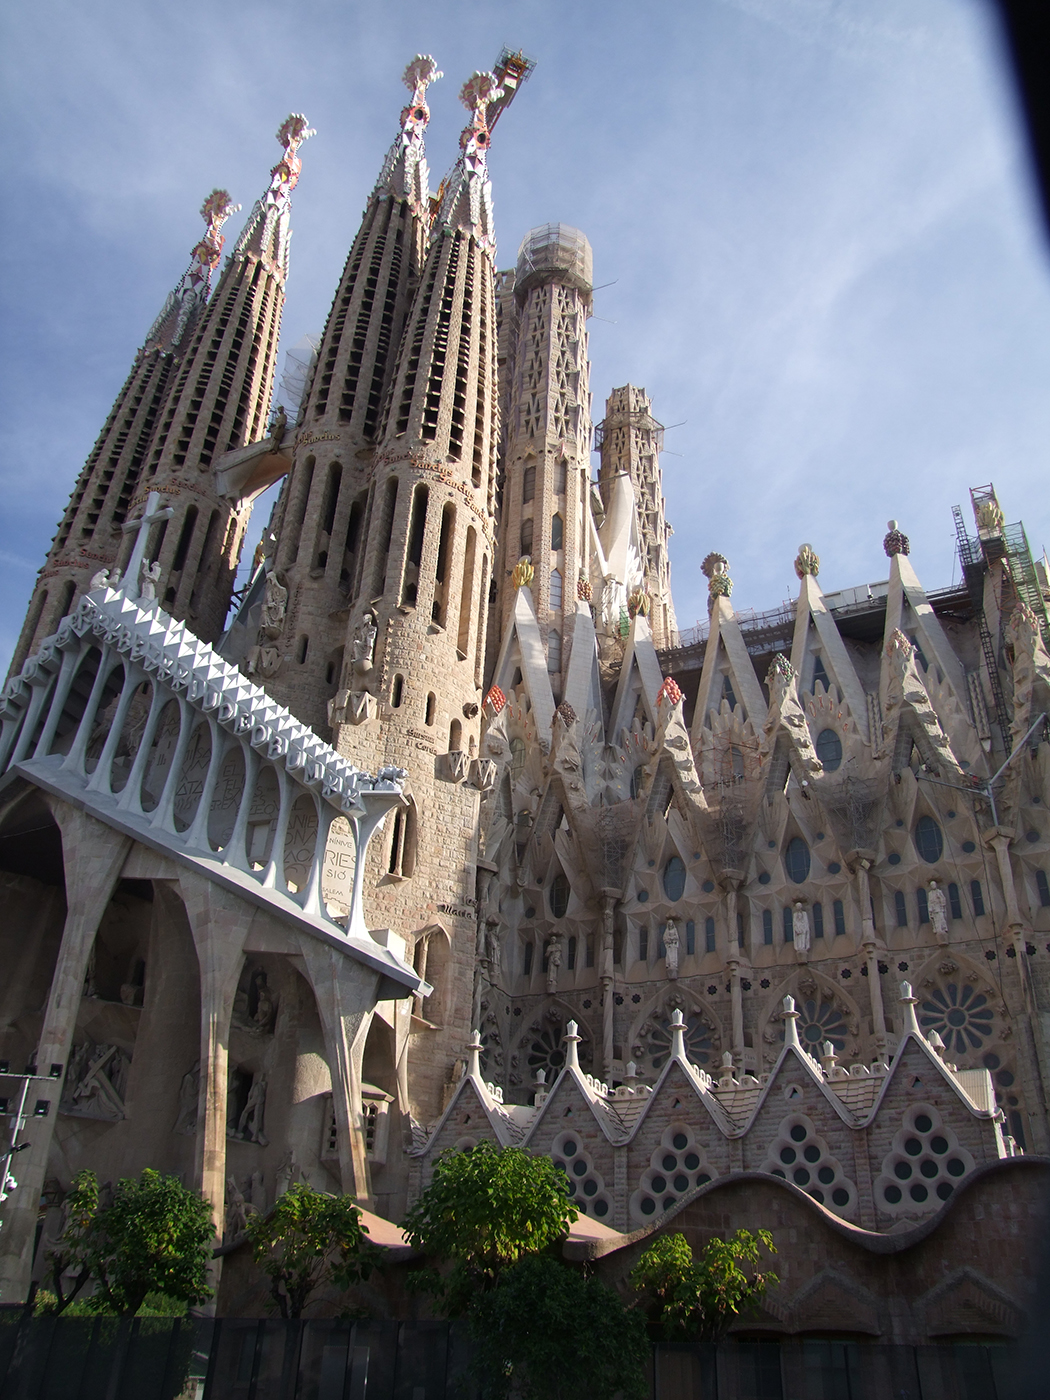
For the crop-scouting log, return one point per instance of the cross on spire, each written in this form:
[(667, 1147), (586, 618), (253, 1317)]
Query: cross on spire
[(132, 581)]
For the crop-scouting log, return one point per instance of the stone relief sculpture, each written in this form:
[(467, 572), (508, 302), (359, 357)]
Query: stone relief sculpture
[(250, 1122), (364, 644), (237, 1211), (671, 942), (937, 904), (96, 1082), (800, 927), (553, 962), (275, 603), (287, 1173)]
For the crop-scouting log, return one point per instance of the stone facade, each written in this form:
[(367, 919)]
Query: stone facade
[(665, 886)]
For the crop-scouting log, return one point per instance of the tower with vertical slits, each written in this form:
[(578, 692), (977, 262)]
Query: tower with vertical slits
[(220, 401), (320, 517), (89, 536)]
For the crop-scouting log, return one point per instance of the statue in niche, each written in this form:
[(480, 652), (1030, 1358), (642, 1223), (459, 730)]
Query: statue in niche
[(254, 1007), (90, 985), (671, 944), (800, 927), (364, 644), (553, 962), (237, 1210), (938, 907), (101, 1083), (189, 1094), (250, 1122), (275, 603)]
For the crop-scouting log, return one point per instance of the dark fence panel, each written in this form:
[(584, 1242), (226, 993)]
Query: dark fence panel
[(74, 1358)]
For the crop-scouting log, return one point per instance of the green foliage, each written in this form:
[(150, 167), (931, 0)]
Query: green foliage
[(153, 1241), (156, 1237), (484, 1210), (310, 1240), (547, 1332), (702, 1297)]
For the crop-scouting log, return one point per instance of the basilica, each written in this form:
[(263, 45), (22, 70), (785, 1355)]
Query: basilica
[(440, 828)]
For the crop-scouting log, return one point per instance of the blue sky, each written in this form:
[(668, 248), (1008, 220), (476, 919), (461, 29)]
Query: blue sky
[(817, 216)]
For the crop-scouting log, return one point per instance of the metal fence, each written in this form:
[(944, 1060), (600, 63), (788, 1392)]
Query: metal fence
[(73, 1358)]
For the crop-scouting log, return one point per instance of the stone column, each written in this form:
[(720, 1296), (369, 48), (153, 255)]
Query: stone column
[(606, 963), (219, 921), (861, 862), (736, 991), (346, 993), (93, 856)]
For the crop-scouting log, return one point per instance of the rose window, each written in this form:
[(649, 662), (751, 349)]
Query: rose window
[(961, 1016), (819, 1021), (679, 1165), (698, 1043), (547, 1051)]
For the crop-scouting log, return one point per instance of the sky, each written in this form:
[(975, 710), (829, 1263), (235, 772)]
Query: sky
[(817, 218)]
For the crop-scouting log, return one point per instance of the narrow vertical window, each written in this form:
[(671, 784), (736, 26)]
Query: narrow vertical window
[(182, 549), (557, 591), (690, 938), (528, 485), (455, 736), (789, 924), (302, 649), (1042, 884), (767, 926), (977, 897), (820, 676), (557, 533), (954, 901), (571, 955), (428, 717), (414, 557), (553, 651), (643, 944), (527, 529), (440, 604), (710, 946), (466, 593), (900, 905), (839, 913), (527, 962), (397, 692), (385, 532), (922, 903), (818, 921)]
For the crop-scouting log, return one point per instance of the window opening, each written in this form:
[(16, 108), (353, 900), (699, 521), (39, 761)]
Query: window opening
[(901, 906), (922, 903), (767, 926), (417, 527), (643, 944), (819, 674), (839, 914), (431, 707), (674, 878), (397, 692), (818, 921), (556, 591), (829, 749), (976, 897), (557, 533), (559, 895), (690, 938), (796, 860), (528, 485), (929, 840), (954, 902), (710, 945), (788, 919)]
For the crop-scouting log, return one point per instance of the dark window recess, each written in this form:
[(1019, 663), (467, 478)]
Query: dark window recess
[(559, 895), (557, 533), (929, 840), (397, 692), (819, 674), (977, 897), (767, 926), (955, 901), (728, 694), (182, 549), (527, 528), (923, 904), (571, 955), (818, 921), (690, 938), (901, 907), (829, 749), (796, 860), (643, 944), (709, 935), (428, 717), (839, 914), (417, 527), (528, 484), (674, 878), (527, 963), (789, 925)]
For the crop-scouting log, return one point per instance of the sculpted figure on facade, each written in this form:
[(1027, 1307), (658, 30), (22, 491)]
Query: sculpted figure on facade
[(553, 962), (364, 644), (937, 904), (189, 1093), (150, 578), (671, 943), (275, 602), (800, 927)]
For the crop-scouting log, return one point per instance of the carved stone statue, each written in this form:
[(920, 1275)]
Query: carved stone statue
[(149, 578), (671, 942), (938, 907), (250, 1123), (189, 1092), (286, 1173), (275, 602), (553, 962), (279, 424), (237, 1209), (364, 644), (800, 927), (99, 580), (263, 661)]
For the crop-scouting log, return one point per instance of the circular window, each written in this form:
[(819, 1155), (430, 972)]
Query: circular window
[(559, 895), (829, 749), (960, 1015), (674, 878), (929, 840), (796, 860)]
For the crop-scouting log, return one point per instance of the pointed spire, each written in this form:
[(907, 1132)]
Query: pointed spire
[(791, 1024), (466, 201), (908, 1003), (474, 1055), (572, 1040), (405, 174), (266, 233), (179, 313), (678, 1036)]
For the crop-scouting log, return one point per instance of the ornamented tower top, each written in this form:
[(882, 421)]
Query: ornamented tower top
[(404, 174), (265, 235), (180, 313)]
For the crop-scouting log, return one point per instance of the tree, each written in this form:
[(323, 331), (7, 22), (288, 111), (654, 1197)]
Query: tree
[(70, 1252), (156, 1237), (307, 1241), (701, 1297), (484, 1210), (546, 1331)]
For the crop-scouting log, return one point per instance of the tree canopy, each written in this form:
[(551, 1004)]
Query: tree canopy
[(701, 1297), (308, 1241)]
